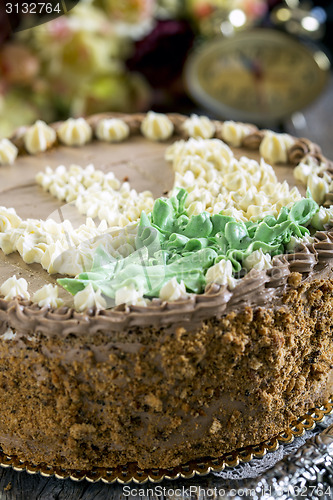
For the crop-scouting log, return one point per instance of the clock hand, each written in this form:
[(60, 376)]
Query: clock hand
[(259, 82), (253, 66)]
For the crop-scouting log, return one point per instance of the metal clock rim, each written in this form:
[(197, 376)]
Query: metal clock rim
[(221, 109)]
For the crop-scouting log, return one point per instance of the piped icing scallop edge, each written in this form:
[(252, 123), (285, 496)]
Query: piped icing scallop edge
[(257, 288), (249, 136), (310, 262)]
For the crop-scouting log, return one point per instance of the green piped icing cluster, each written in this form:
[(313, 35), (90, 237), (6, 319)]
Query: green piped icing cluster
[(170, 244)]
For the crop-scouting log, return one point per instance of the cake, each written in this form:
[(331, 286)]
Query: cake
[(222, 350)]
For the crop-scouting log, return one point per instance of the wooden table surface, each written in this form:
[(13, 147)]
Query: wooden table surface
[(316, 124), (22, 486)]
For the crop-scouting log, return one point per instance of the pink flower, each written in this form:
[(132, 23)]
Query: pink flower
[(255, 8), (59, 28)]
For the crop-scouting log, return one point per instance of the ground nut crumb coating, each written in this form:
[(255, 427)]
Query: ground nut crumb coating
[(163, 397)]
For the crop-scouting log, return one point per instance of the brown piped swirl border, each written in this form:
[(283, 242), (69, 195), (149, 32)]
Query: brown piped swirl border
[(257, 288), (311, 261)]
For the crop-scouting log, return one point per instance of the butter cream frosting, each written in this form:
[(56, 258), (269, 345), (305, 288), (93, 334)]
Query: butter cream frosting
[(157, 126), (15, 287), (199, 126), (74, 132), (112, 130), (47, 296), (274, 147), (8, 152), (39, 137)]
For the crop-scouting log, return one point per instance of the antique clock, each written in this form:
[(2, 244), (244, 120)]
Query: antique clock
[(262, 76)]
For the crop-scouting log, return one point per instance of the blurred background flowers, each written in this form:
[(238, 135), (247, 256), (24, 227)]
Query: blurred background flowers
[(104, 55), (127, 55)]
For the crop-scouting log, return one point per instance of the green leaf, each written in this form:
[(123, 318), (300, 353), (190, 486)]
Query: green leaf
[(196, 244), (235, 232), (303, 211), (270, 220), (219, 222), (163, 214), (72, 285), (199, 226), (181, 199), (283, 215), (176, 242), (101, 259)]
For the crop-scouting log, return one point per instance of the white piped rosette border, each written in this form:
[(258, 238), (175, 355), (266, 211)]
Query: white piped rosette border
[(207, 190), (114, 127)]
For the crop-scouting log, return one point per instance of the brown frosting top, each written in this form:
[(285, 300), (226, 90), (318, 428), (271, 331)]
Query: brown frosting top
[(255, 289)]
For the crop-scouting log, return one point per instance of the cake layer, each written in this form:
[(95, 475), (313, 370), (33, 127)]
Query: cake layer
[(167, 382), (162, 397)]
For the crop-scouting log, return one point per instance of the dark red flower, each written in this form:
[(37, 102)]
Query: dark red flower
[(160, 55)]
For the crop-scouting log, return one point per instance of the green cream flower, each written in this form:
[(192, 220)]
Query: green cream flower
[(170, 244)]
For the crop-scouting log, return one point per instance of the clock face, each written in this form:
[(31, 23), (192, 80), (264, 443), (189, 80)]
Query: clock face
[(261, 76)]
